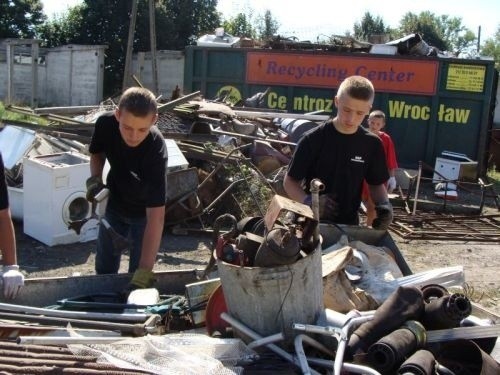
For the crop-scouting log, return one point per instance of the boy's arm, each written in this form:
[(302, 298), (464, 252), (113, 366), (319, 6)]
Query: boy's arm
[(382, 206), (7, 238), (293, 189), (153, 232), (97, 164)]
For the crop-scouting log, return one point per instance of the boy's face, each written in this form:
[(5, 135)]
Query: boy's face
[(350, 113), (376, 124), (134, 129)]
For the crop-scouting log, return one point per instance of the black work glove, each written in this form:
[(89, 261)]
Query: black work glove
[(384, 216), (94, 186)]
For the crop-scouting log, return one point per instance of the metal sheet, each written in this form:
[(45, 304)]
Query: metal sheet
[(14, 143)]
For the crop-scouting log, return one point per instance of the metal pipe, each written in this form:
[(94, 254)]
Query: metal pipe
[(316, 186), (281, 115), (141, 317), (419, 174), (342, 335), (299, 350), (253, 137), (344, 338), (136, 329), (247, 331), (266, 340), (45, 340), (173, 103), (467, 333), (301, 355)]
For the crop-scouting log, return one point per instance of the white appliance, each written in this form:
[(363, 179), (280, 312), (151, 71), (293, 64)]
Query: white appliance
[(455, 167), (54, 195)]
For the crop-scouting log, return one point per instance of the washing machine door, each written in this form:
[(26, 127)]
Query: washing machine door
[(76, 207)]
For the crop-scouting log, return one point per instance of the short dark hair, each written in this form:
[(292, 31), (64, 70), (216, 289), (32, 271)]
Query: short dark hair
[(139, 101), (357, 87)]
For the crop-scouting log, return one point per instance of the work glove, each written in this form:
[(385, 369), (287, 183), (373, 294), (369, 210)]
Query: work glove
[(384, 216), (94, 186), (391, 184), (142, 279), (13, 280)]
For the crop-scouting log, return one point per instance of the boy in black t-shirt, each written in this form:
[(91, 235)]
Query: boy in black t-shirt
[(137, 155), (342, 154)]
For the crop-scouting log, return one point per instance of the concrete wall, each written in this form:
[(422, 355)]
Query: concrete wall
[(72, 75), (22, 82), (170, 67)]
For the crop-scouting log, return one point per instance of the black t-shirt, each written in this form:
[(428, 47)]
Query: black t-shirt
[(341, 162), (4, 197), (137, 175)]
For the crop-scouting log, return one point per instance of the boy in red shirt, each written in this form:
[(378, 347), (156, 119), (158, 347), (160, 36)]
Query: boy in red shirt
[(376, 122)]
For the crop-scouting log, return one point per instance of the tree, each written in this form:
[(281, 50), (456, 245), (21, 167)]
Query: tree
[(267, 26), (19, 18), (369, 26), (106, 22), (240, 25), (443, 32), (491, 47)]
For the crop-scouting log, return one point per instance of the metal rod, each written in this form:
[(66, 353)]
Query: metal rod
[(266, 340), (66, 110), (315, 188), (417, 187), (141, 317), (46, 340), (253, 137), (173, 103), (281, 115), (247, 331), (136, 329), (467, 333)]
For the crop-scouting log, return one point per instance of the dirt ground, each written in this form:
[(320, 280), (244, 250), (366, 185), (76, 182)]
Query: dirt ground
[(481, 261)]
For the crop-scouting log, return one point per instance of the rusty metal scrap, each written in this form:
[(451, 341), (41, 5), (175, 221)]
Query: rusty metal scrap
[(37, 359), (435, 226)]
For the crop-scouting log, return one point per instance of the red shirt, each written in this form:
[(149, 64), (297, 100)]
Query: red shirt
[(390, 160), (390, 151)]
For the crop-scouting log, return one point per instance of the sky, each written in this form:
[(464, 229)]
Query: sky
[(313, 19)]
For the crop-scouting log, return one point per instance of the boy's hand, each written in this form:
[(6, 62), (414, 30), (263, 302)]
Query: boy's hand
[(13, 280), (94, 186), (384, 216), (142, 279), (391, 184)]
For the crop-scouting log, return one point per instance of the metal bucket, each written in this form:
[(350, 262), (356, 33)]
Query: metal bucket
[(270, 300)]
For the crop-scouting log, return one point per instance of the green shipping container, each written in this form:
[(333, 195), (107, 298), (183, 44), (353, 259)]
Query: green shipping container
[(432, 104)]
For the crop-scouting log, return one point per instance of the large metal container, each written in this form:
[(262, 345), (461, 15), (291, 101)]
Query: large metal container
[(431, 104), (269, 300)]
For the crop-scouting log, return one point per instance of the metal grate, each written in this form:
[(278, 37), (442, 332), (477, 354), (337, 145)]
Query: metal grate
[(438, 226)]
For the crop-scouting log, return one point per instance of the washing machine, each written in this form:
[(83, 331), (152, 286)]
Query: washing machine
[(54, 196)]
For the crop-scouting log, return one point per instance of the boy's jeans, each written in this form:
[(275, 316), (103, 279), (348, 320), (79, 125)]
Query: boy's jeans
[(107, 259)]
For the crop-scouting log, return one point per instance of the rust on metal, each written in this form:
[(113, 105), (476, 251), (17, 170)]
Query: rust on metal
[(439, 226), (51, 359)]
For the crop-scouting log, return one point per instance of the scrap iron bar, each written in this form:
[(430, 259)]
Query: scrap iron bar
[(444, 227)]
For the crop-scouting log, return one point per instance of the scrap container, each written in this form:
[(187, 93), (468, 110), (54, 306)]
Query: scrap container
[(432, 104)]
